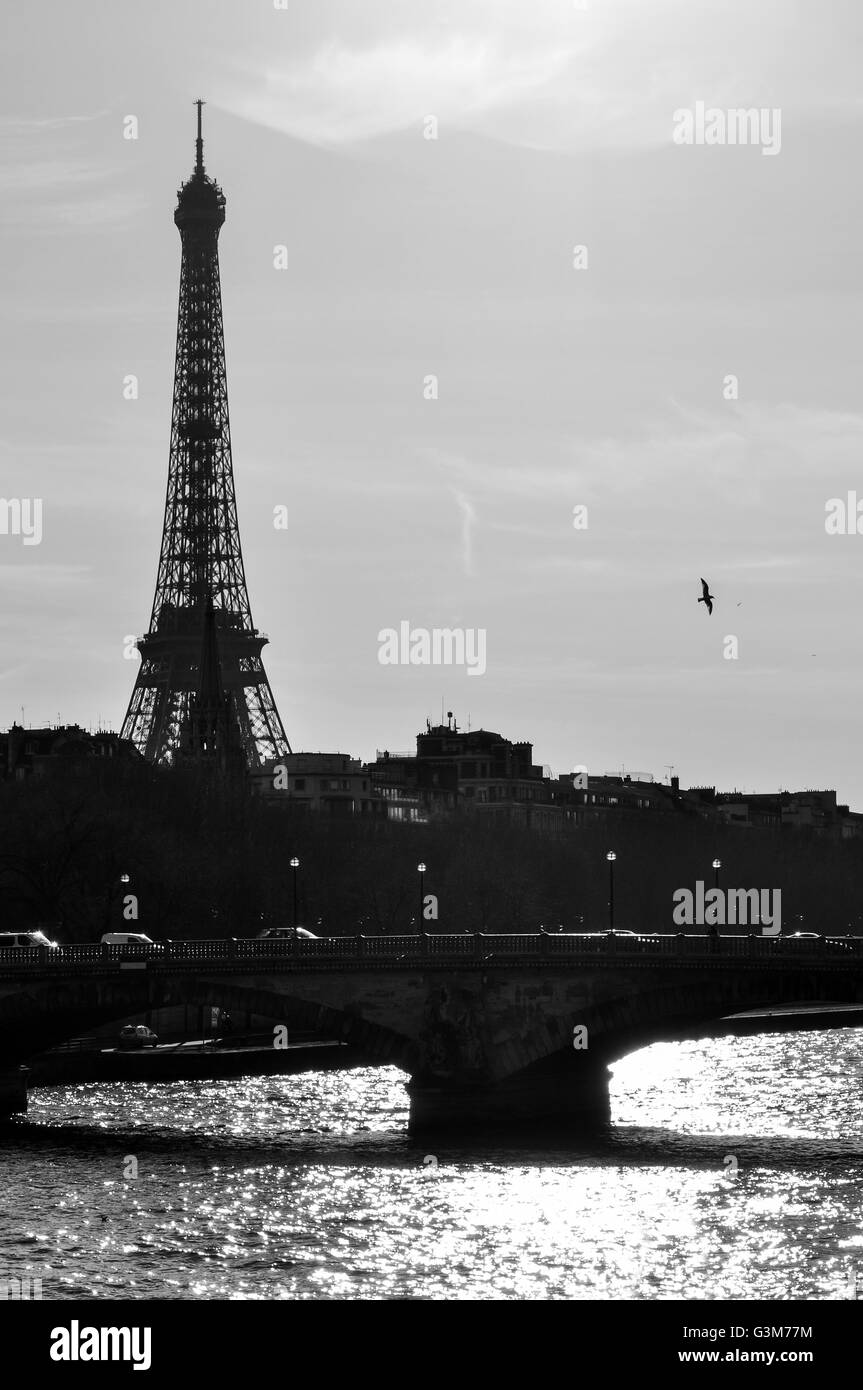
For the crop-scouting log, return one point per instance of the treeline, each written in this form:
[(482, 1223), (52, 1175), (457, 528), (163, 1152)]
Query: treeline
[(206, 858)]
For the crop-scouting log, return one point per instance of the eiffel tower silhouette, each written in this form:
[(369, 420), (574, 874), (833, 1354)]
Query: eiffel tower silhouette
[(201, 688)]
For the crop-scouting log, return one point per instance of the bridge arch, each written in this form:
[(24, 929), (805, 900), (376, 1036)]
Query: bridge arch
[(53, 1011)]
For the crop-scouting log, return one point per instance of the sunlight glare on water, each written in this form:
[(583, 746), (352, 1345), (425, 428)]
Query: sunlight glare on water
[(309, 1187)]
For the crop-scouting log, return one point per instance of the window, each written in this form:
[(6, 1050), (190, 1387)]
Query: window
[(299, 784)]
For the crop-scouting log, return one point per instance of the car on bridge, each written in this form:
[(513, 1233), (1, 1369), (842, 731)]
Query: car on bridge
[(286, 934), (127, 938), (25, 940), (136, 1035)]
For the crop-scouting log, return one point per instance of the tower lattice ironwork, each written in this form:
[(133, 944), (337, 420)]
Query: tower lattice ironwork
[(201, 687)]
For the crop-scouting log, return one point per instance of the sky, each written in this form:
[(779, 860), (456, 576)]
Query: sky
[(605, 384)]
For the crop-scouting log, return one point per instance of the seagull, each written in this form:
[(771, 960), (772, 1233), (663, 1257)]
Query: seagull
[(707, 596)]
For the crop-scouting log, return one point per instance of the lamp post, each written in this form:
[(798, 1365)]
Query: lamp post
[(422, 873), (295, 864), (714, 930), (124, 879), (611, 857)]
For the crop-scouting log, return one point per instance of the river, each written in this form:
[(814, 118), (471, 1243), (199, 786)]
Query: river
[(732, 1169)]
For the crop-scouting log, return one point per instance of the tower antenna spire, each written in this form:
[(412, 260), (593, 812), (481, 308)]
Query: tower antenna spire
[(199, 143)]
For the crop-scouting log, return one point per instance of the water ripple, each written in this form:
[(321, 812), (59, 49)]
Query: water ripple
[(732, 1169)]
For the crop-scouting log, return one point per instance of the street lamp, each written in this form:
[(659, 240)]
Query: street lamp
[(717, 865), (422, 873), (611, 856), (124, 878), (295, 864)]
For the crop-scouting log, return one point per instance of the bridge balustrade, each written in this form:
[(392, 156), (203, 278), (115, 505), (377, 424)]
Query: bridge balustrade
[(197, 950), (463, 944), (87, 951), (561, 944), (244, 948), (390, 947), (330, 947), (454, 946), (120, 953)]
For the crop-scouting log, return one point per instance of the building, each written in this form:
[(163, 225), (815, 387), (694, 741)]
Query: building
[(760, 810), (480, 772), (453, 769), (34, 752), (331, 783), (612, 795), (816, 812)]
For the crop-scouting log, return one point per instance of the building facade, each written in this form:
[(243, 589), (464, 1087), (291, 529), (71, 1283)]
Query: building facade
[(333, 784), (35, 752), (456, 770)]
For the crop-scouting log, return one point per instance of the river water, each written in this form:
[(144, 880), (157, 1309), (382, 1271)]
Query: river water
[(732, 1169)]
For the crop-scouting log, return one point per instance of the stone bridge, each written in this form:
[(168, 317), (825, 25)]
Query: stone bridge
[(483, 1024)]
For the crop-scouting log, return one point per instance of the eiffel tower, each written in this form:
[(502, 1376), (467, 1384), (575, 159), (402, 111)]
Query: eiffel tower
[(201, 688)]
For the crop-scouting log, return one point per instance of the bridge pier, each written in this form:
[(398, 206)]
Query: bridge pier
[(13, 1091), (556, 1099)]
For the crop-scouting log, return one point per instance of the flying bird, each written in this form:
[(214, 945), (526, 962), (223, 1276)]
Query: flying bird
[(706, 596)]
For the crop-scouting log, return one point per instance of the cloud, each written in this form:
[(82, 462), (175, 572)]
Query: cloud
[(45, 175), (549, 76), (678, 444), (32, 123), (468, 519), (43, 576), (344, 94)]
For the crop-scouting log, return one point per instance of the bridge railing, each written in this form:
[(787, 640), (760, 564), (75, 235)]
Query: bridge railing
[(441, 946), (465, 944)]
